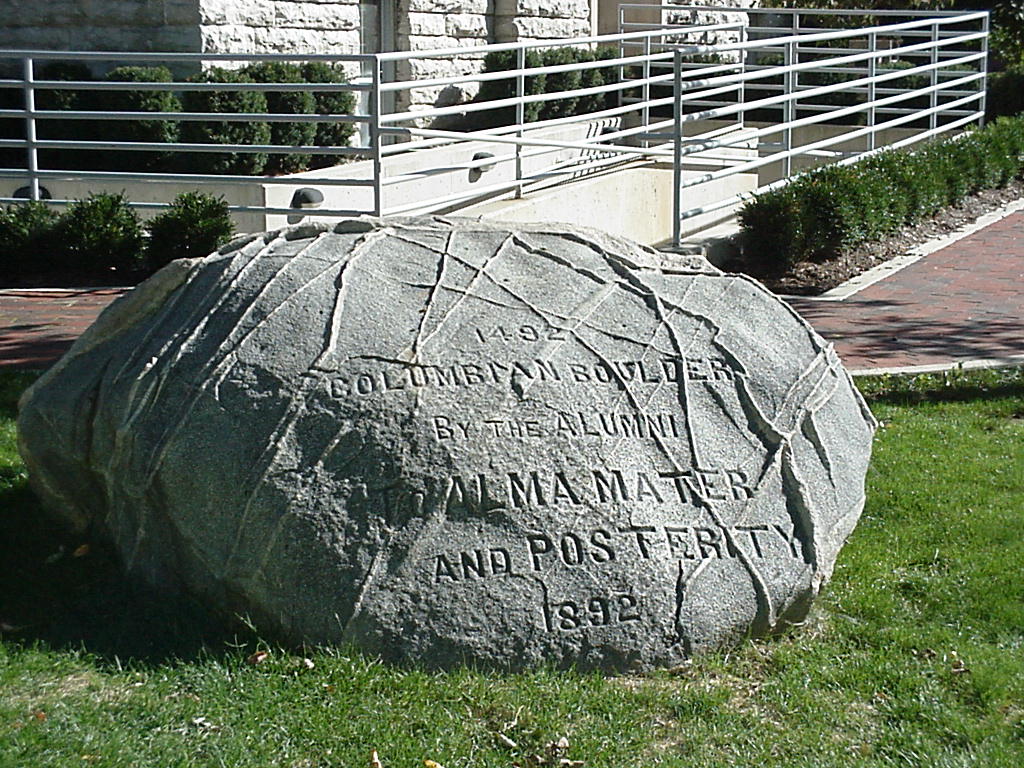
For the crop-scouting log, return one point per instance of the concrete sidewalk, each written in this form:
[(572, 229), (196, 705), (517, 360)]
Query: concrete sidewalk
[(961, 302)]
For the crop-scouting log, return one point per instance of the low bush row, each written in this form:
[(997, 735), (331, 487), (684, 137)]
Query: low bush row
[(534, 85), (297, 102), (827, 211), (101, 239)]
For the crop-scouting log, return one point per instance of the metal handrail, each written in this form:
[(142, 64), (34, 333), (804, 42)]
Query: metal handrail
[(668, 77)]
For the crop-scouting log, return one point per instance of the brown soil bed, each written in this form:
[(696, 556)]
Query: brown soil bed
[(814, 278)]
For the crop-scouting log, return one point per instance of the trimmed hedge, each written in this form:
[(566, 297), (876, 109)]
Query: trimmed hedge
[(330, 103), (26, 235), (101, 240), (825, 212), (501, 61), (149, 131), (98, 234), (224, 131), (300, 101), (296, 102), (195, 225)]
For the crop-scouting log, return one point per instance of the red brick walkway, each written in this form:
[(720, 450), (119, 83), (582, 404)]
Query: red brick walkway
[(961, 303), (38, 326), (964, 302)]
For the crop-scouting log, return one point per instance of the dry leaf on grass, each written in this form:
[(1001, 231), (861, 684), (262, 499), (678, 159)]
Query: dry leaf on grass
[(258, 658), (375, 760), (506, 741), (204, 724)]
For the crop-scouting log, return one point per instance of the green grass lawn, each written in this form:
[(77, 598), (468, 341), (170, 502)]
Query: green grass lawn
[(914, 655)]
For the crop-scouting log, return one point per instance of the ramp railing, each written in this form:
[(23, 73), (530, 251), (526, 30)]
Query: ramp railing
[(712, 91)]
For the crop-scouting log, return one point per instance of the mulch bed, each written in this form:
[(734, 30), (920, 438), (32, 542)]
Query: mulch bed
[(814, 278)]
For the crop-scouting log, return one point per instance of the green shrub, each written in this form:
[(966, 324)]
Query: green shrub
[(69, 98), (224, 132), (596, 77), (1006, 137), (26, 238), (194, 225), (492, 90), (773, 231), (829, 210), (149, 131), (99, 234), (297, 102), (904, 196), (127, 100), (555, 82), (60, 129), (834, 206), (501, 61), (12, 128), (330, 103)]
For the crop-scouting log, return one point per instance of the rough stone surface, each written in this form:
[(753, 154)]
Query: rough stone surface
[(446, 441)]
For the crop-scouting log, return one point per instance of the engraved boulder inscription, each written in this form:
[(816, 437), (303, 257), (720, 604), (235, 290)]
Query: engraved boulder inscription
[(447, 440)]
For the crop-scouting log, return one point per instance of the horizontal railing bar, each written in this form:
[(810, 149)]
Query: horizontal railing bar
[(782, 40), (508, 74), (834, 113), (531, 142), (230, 117), (622, 85), (149, 146), (833, 87), (196, 178), (528, 44), (45, 55), (924, 12), (458, 109), (119, 86), (803, 149), (820, 90), (808, 30)]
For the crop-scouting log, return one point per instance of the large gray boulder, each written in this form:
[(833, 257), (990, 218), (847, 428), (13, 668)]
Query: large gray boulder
[(446, 440)]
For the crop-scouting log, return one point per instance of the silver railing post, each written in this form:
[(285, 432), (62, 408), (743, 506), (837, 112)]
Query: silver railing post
[(520, 116), (791, 82), (742, 93), (28, 76), (983, 82), (375, 139), (933, 119), (645, 113), (622, 53), (677, 144), (872, 74)]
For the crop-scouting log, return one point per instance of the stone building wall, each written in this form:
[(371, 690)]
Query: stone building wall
[(105, 25), (432, 24), (279, 26), (305, 26)]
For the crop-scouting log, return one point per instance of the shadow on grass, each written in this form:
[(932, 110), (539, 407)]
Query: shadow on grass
[(68, 592), (955, 385)]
